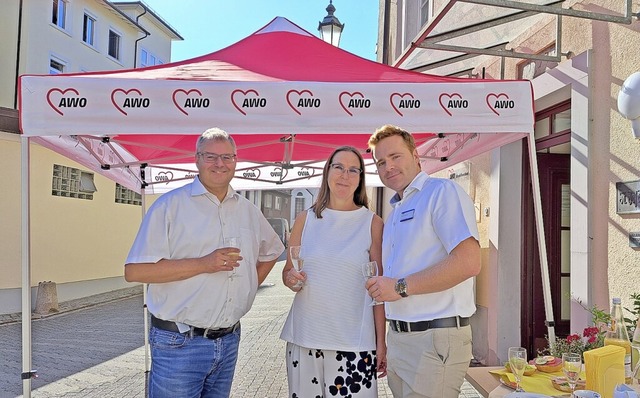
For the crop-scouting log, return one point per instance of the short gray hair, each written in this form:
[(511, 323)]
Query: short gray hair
[(215, 134)]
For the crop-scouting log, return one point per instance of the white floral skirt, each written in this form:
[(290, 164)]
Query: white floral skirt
[(314, 373)]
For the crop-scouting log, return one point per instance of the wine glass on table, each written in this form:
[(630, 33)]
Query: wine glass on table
[(298, 262), (369, 270), (518, 362), (571, 367)]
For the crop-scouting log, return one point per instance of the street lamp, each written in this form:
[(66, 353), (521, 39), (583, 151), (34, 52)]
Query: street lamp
[(330, 28)]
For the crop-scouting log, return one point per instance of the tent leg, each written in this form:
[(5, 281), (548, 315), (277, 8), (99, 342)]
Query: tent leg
[(26, 270), (542, 244), (145, 311)]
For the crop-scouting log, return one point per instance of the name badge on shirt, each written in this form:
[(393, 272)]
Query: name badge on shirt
[(407, 215)]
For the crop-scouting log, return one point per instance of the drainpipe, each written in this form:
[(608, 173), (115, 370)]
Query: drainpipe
[(18, 45), (135, 47)]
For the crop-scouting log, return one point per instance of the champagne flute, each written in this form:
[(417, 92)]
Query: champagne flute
[(571, 366), (518, 362), (298, 262), (369, 270), (232, 241)]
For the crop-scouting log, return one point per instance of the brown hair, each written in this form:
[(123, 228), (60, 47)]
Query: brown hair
[(389, 130), (359, 196)]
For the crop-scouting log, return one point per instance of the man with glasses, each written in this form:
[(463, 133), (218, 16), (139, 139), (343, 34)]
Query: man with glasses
[(199, 288), (430, 253)]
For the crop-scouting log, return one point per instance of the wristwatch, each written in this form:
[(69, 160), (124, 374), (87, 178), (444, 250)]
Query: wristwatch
[(401, 287)]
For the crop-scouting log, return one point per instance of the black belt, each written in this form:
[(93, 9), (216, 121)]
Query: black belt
[(451, 322), (206, 333)]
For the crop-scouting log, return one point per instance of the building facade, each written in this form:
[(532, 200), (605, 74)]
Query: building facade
[(588, 159), (82, 224)]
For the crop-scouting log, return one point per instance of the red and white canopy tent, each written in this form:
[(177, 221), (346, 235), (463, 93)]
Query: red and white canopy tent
[(288, 99)]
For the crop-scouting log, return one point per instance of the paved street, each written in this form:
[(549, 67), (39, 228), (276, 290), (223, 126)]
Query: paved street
[(98, 351)]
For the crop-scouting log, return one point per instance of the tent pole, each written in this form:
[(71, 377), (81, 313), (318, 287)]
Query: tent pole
[(26, 270), (542, 244), (147, 356)]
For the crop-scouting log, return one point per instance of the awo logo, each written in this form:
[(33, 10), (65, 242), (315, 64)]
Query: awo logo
[(125, 100), (306, 172), (498, 102), (65, 100), (244, 100), (356, 100), (453, 101), (251, 173), (189, 99), (400, 102), (279, 172), (164, 176), (298, 100)]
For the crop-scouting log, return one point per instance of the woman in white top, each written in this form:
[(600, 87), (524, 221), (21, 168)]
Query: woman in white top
[(335, 338)]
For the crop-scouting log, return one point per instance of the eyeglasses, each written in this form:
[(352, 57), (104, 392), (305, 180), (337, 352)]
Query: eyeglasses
[(351, 171), (209, 157)]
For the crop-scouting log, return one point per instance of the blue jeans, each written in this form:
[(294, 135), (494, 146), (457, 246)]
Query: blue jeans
[(184, 366)]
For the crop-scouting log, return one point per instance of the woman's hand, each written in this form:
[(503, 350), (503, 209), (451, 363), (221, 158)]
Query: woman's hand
[(295, 280)]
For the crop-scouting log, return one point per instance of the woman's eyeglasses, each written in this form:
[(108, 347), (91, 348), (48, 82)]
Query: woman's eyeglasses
[(351, 171)]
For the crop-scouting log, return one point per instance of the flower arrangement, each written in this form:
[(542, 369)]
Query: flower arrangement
[(592, 337)]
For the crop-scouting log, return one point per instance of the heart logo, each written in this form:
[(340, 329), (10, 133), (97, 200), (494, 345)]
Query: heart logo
[(233, 100), (280, 172), (186, 94), (251, 173), (306, 172), (495, 96), (449, 96), (401, 96), (165, 176), (62, 92), (299, 95), (125, 92), (351, 95)]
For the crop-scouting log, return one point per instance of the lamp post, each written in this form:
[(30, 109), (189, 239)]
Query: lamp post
[(330, 28)]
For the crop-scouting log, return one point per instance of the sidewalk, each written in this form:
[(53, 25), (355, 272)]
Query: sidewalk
[(95, 348)]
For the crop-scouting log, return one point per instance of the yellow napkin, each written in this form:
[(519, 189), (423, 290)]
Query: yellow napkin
[(539, 382), (605, 369)]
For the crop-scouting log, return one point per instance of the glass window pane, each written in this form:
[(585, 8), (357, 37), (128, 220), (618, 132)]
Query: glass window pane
[(565, 251), (562, 121), (541, 128), (565, 298)]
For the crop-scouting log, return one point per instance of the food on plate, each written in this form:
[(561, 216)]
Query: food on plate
[(561, 383), (547, 363), (528, 370)]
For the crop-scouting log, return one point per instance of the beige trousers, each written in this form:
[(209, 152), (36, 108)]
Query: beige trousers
[(428, 364)]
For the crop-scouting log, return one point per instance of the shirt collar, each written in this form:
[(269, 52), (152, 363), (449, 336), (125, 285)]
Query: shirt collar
[(415, 185), (198, 189)]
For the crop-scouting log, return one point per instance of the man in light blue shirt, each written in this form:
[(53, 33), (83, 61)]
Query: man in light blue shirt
[(430, 254)]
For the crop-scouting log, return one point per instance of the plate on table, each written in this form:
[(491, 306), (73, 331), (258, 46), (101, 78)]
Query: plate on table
[(525, 395), (509, 384), (561, 383)]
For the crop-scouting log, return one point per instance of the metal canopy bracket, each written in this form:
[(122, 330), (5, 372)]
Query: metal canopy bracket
[(524, 10)]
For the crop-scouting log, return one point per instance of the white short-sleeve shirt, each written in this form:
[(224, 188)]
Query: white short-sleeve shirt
[(432, 218), (190, 222)]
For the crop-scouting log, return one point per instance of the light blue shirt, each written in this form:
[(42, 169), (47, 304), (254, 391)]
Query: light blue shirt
[(432, 218)]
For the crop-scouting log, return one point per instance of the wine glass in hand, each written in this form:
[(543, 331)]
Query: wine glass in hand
[(518, 362), (297, 261), (369, 270), (571, 366), (232, 241)]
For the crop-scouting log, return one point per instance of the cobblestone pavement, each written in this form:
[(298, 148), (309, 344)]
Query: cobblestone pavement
[(95, 348)]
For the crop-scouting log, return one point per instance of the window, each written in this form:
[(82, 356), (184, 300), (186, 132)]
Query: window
[(425, 11), (114, 44), (268, 200), (127, 196), (56, 67), (532, 69), (89, 30), (59, 14), (72, 183), (299, 203), (278, 203), (148, 59)]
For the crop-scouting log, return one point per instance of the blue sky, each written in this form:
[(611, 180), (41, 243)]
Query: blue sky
[(209, 25)]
